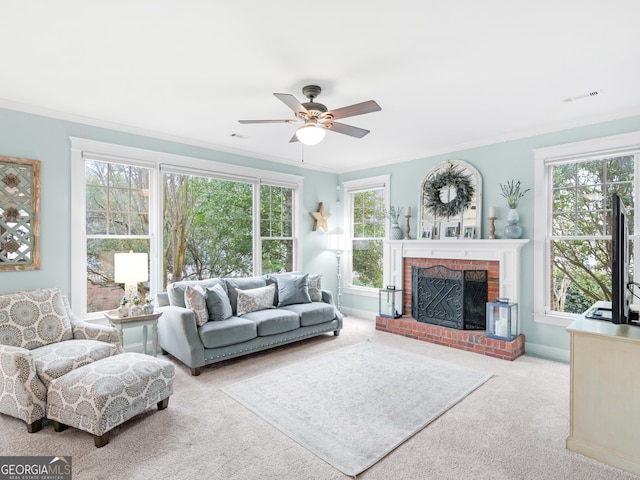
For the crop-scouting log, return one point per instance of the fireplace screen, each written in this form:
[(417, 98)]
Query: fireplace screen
[(450, 298)]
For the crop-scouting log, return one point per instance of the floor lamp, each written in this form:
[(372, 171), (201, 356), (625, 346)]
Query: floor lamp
[(337, 243)]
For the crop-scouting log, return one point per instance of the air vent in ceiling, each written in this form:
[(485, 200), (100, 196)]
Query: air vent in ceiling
[(594, 93)]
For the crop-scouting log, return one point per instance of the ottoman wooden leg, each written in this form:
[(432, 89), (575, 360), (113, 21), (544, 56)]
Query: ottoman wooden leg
[(163, 404), (34, 427), (59, 427), (101, 440)]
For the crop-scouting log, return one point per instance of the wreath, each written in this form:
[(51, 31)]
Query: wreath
[(450, 177)]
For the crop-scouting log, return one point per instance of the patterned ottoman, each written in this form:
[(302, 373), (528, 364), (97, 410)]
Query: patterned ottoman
[(106, 393)]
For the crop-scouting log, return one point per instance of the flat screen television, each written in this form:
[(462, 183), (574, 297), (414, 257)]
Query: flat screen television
[(619, 262)]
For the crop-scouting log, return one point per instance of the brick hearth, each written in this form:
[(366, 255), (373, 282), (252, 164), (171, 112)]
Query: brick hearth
[(469, 340)]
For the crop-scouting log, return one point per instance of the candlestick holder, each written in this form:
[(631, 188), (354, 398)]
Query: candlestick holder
[(407, 228), (492, 227)]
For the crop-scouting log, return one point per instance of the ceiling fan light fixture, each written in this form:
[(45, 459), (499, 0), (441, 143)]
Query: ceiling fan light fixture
[(311, 133)]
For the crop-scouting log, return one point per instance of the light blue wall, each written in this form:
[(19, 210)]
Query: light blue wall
[(497, 163), (47, 139)]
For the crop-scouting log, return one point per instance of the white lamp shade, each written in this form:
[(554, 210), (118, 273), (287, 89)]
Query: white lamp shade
[(337, 241), (130, 267), (310, 134)]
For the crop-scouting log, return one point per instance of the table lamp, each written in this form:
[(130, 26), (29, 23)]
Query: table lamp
[(130, 268)]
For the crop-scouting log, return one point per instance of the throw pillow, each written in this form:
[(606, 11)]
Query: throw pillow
[(194, 299), (255, 299), (218, 303), (293, 289), (246, 283), (315, 288)]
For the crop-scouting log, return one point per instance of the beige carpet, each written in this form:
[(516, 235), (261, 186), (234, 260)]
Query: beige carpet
[(513, 428)]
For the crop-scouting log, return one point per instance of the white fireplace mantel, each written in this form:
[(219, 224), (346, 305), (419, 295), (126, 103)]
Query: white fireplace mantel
[(505, 252)]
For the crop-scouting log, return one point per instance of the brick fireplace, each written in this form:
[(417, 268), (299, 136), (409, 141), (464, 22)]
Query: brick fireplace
[(501, 258)]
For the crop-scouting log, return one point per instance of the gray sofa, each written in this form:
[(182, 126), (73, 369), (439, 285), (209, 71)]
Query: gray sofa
[(241, 316)]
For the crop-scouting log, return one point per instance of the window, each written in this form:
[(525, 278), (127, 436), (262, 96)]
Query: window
[(366, 201), (276, 228), (207, 228), (574, 186), (195, 218), (117, 220)]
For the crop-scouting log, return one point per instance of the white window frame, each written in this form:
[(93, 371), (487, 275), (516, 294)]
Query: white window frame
[(159, 163), (544, 158), (348, 188), (261, 239)]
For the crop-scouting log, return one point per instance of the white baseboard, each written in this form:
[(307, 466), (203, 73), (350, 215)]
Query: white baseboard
[(550, 353), (346, 311)]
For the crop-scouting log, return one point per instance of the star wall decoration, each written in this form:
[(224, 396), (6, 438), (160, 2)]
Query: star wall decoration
[(320, 218)]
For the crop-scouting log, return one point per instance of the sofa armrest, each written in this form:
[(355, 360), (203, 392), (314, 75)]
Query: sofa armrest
[(178, 335), (22, 393), (327, 297)]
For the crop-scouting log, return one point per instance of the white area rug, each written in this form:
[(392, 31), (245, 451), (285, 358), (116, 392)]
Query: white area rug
[(355, 405)]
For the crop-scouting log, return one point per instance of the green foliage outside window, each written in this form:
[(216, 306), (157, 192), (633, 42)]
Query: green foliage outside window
[(580, 245), (368, 231)]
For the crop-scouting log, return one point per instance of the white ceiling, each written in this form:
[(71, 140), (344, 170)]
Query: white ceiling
[(448, 74)]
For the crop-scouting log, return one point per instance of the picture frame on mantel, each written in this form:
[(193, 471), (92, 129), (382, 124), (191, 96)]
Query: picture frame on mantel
[(19, 214), (449, 230)]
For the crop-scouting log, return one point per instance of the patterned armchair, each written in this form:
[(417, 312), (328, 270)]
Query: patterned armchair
[(40, 340)]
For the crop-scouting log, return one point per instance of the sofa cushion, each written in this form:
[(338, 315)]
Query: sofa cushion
[(34, 318), (227, 332), (54, 360), (255, 299), (293, 289), (315, 287), (271, 322), (175, 290), (235, 284), (194, 299), (218, 303), (312, 313)]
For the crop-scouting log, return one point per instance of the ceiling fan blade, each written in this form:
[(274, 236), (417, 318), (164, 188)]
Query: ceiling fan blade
[(347, 129), (267, 121), (291, 102), (356, 109), (294, 138)]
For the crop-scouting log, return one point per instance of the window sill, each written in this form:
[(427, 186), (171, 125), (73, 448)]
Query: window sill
[(549, 319), (362, 291)]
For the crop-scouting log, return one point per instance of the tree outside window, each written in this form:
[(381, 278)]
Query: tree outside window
[(368, 235), (276, 228), (208, 228), (117, 220), (580, 240)]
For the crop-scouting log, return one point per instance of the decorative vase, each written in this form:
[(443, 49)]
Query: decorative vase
[(123, 311), (396, 233), (136, 310), (148, 309), (513, 228)]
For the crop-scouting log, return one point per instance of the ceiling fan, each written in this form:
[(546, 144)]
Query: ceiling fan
[(318, 119)]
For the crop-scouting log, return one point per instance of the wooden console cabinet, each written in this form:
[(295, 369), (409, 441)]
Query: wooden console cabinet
[(605, 392)]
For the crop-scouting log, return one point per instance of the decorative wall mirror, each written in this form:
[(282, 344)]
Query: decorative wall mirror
[(451, 202), (19, 214)]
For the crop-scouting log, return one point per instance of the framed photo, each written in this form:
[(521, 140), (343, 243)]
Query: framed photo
[(469, 232), (19, 214), (427, 232), (449, 230)]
